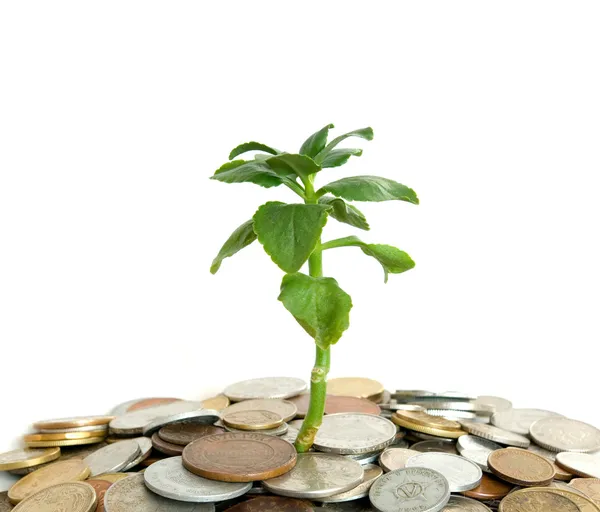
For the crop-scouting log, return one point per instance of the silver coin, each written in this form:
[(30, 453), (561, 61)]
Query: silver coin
[(317, 475), (170, 479), (284, 408), (427, 437), (452, 415), (297, 424), (519, 420), (268, 387), (581, 464), (372, 473), (291, 435), (277, 431), (448, 405), (145, 449), (470, 442), (435, 447), (365, 458), (133, 423), (495, 434), (399, 443), (93, 428), (353, 433), (493, 403), (257, 489), (460, 504), (565, 435), (462, 474), (395, 406), (203, 416), (113, 457), (479, 457), (410, 490), (131, 495), (394, 458)]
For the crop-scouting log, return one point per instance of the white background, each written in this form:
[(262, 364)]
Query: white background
[(113, 115)]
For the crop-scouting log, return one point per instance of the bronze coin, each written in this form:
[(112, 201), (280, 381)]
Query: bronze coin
[(184, 433), (490, 488), (239, 457), (335, 404), (100, 486), (521, 467), (145, 403), (272, 504), (164, 447)]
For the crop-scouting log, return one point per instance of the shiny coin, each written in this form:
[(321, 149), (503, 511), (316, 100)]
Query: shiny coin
[(66, 442), (170, 479), (490, 488), (26, 458), (519, 420), (204, 416), (461, 473), (100, 429), (284, 408), (460, 504), (277, 431), (435, 446), (395, 406), (371, 473), (581, 464), (80, 421), (476, 443), (565, 435), (410, 490), (521, 467), (495, 434), (269, 387), (132, 495), (56, 473), (365, 458), (353, 433), (560, 473), (63, 436), (218, 403), (395, 458), (239, 457), (335, 404), (186, 432), (432, 425), (100, 488), (588, 486), (452, 415), (493, 404), (113, 457), (528, 500), (272, 504), (478, 457), (317, 475), (252, 420), (145, 450), (585, 504), (359, 387), (164, 447), (133, 423), (64, 497)]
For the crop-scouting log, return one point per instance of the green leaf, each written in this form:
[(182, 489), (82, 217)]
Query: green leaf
[(370, 188), (253, 171), (344, 212), (319, 305), (289, 232), (338, 157), (251, 146), (363, 133), (288, 164), (316, 142), (240, 238)]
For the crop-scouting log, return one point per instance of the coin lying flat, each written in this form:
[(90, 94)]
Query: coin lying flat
[(113, 477), (589, 486), (337, 403), (131, 495), (252, 420), (395, 458), (100, 488), (410, 490), (133, 423), (521, 467), (532, 501), (490, 488), (141, 403), (79, 421), (113, 457), (581, 464), (461, 473), (471, 442), (560, 473), (371, 473), (100, 429), (565, 435), (26, 458), (268, 387), (62, 436), (460, 504), (285, 408), (145, 450), (353, 433), (272, 504), (519, 420), (239, 457), (64, 497), (204, 416), (495, 434), (585, 504), (317, 475), (435, 446), (186, 432), (170, 479), (164, 447), (359, 387)]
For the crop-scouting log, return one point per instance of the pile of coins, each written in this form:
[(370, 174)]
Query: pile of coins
[(408, 451)]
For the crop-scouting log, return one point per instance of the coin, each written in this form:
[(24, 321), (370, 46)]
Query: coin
[(521, 467), (145, 449), (435, 446), (65, 442), (493, 404), (272, 504), (460, 504), (252, 420), (495, 434), (365, 458), (335, 404), (170, 479), (132, 495), (25, 458), (100, 487), (410, 490), (112, 477), (561, 434), (589, 486), (113, 457), (560, 473), (317, 475), (490, 488), (395, 458), (355, 386), (63, 497), (347, 506), (186, 432), (218, 402), (284, 408), (55, 473), (239, 457), (470, 442), (371, 473), (269, 387), (395, 406), (146, 403), (461, 473), (428, 424), (519, 420), (204, 416), (585, 504), (100, 429), (581, 464), (537, 501), (353, 433), (6, 505), (79, 421), (277, 431), (478, 457), (164, 447), (62, 436)]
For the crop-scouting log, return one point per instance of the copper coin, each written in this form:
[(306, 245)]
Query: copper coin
[(100, 486), (184, 433), (335, 404), (165, 447), (490, 488), (239, 457), (272, 504), (145, 403), (521, 467)]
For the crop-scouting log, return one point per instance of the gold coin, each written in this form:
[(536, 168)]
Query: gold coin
[(426, 420), (218, 402), (355, 386), (585, 504), (588, 486), (53, 474), (252, 420), (66, 442), (24, 458), (66, 497), (80, 421), (113, 477), (63, 436), (539, 499)]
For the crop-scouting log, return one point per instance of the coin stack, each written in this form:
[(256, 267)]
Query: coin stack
[(407, 451)]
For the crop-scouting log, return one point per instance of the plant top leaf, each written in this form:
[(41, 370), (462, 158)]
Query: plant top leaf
[(370, 188), (344, 212), (251, 146), (240, 238), (253, 171), (316, 142), (288, 164), (363, 133), (337, 157)]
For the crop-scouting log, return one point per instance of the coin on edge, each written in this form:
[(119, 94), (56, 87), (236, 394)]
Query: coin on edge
[(565, 435), (495, 434), (186, 432), (112, 458), (395, 458), (428, 424), (580, 464), (263, 388), (490, 488), (462, 474), (100, 487), (145, 450), (371, 473), (26, 458), (252, 420), (359, 387), (63, 497)]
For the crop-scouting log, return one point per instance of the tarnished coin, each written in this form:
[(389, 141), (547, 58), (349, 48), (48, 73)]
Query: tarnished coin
[(493, 404), (371, 473), (565, 435), (490, 488), (284, 408), (100, 487), (133, 423), (239, 457), (164, 447), (268, 387), (145, 450), (581, 464), (530, 500), (218, 403), (252, 420), (519, 420), (317, 475), (461, 473), (79, 421), (476, 443), (132, 495), (435, 446), (272, 504), (359, 387), (55, 473), (335, 404), (204, 416), (460, 504), (410, 490), (521, 467), (353, 433), (395, 458), (6, 505), (186, 432), (495, 434), (588, 486), (560, 473), (170, 479), (112, 458), (585, 504), (26, 458), (63, 497)]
